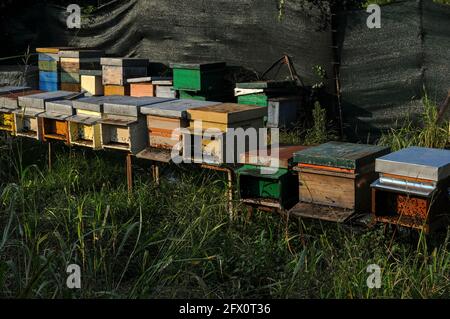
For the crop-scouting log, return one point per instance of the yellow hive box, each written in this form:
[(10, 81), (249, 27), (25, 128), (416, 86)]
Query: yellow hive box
[(92, 84), (7, 122), (84, 130), (117, 90), (228, 113)]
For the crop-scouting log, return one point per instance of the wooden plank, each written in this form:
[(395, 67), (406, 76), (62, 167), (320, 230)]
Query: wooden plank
[(52, 50), (72, 87), (155, 154), (227, 113), (325, 213)]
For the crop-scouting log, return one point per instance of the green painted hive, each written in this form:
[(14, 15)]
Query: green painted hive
[(341, 155), (281, 186), (204, 77), (259, 99)]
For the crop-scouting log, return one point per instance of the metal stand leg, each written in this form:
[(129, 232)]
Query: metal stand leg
[(50, 163), (129, 168), (230, 194), (156, 174)]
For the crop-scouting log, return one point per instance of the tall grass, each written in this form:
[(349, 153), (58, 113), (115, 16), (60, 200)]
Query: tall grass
[(176, 240), (427, 133)]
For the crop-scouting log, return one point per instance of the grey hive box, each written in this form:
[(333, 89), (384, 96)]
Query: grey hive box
[(123, 127), (38, 100), (175, 108), (413, 189), (95, 103), (58, 110)]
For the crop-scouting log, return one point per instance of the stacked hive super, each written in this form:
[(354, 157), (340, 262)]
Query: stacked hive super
[(49, 67), (117, 71), (413, 189), (75, 61), (123, 127), (165, 122), (203, 82), (284, 106), (335, 180), (28, 122), (152, 86), (7, 105), (210, 138), (267, 180)]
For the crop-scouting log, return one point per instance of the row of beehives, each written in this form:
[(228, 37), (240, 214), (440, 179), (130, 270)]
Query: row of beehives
[(336, 181), (331, 181), (121, 122), (83, 70)]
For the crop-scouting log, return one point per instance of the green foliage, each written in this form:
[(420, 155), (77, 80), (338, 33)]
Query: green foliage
[(428, 134), (176, 240), (318, 134)]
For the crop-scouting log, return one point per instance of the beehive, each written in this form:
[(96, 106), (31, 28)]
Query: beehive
[(73, 62), (27, 117), (266, 179), (164, 121), (123, 126), (259, 92), (91, 82), (202, 146), (84, 126), (49, 68), (116, 71), (8, 103), (111, 90), (413, 189), (164, 88), (338, 174), (54, 120)]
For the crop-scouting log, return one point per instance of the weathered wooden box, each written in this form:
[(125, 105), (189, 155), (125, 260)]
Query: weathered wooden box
[(413, 189), (198, 77), (84, 126), (338, 174), (123, 126), (283, 112), (111, 90), (212, 132), (27, 121), (165, 121), (116, 71), (54, 120), (92, 84), (164, 88)]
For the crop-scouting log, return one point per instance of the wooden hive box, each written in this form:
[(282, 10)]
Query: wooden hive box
[(116, 71), (84, 126), (266, 179), (111, 90), (49, 68), (27, 121), (338, 174), (283, 111), (91, 82), (8, 103), (219, 119), (199, 77), (413, 189), (54, 120), (165, 121), (123, 127), (164, 88), (141, 87)]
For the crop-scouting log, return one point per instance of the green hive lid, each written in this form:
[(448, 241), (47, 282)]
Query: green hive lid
[(198, 66), (256, 171), (340, 155)]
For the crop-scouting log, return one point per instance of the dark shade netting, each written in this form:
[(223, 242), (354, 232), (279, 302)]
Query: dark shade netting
[(384, 71)]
